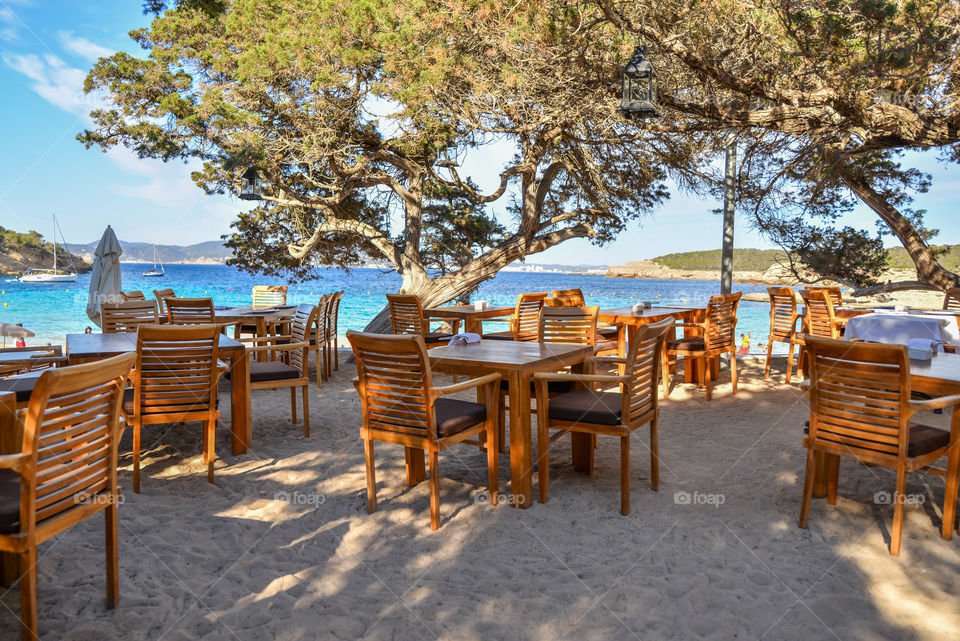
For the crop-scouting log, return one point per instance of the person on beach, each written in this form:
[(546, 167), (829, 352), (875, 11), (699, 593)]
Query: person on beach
[(744, 344), (20, 342), (88, 330)]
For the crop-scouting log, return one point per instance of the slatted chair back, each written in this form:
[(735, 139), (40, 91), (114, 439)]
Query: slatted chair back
[(406, 314), (644, 359), (566, 298), (395, 384), (951, 298), (162, 295), (302, 323), (859, 397), (835, 294), (783, 313), (34, 358), (525, 322), (127, 316), (190, 311), (176, 371), (333, 312), (720, 331), (269, 295), (132, 295), (819, 318), (71, 432), (572, 325), (322, 320)]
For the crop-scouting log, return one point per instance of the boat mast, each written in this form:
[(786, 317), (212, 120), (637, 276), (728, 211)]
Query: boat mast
[(54, 217)]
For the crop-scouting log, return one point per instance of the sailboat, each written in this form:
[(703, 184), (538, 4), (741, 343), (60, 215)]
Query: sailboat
[(157, 271), (51, 275)]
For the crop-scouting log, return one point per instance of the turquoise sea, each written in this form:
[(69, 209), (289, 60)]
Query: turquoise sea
[(53, 310)]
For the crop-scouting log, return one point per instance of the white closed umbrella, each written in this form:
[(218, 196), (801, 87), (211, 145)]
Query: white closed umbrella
[(105, 284)]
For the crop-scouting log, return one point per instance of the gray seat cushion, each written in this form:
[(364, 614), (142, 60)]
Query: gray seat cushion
[(587, 406), (498, 336), (437, 337), (693, 344), (263, 371), (553, 387), (9, 502), (454, 416)]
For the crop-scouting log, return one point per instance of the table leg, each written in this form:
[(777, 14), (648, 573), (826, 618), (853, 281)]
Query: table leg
[(521, 441), (582, 444), (416, 466), (953, 470), (622, 340), (241, 426), (473, 325)]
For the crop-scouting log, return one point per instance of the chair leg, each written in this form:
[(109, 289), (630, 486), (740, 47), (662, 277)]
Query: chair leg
[(293, 405), (665, 366), (112, 551), (950, 495), (707, 368), (336, 354), (790, 361), (371, 476), (543, 450), (434, 489), (808, 478), (654, 456), (833, 477), (734, 374), (502, 421), (318, 359), (136, 457), (306, 409), (898, 500), (766, 368), (493, 462), (210, 431), (28, 594), (625, 475)]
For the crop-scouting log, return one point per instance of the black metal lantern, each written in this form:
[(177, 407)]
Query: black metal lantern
[(250, 185), (639, 99)]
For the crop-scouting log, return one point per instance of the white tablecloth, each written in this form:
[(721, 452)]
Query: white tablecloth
[(898, 328)]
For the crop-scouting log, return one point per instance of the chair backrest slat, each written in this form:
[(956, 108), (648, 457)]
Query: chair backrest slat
[(566, 298), (269, 295), (858, 396), (783, 313), (835, 294), (573, 325), (301, 325), (395, 383), (406, 314), (176, 369), (190, 311), (819, 316), (951, 298), (721, 322), (162, 295), (525, 321), (132, 295), (127, 316), (644, 360)]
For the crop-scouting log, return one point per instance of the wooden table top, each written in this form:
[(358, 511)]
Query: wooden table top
[(508, 355), (467, 311), (268, 314), (8, 357), (942, 367), (107, 345), (626, 314)]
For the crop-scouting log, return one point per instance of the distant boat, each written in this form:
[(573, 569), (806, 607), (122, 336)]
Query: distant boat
[(157, 271), (51, 275)]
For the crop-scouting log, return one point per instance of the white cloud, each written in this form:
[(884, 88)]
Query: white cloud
[(55, 81), (82, 47)]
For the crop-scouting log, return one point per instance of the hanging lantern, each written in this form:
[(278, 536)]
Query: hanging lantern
[(639, 98), (250, 185)]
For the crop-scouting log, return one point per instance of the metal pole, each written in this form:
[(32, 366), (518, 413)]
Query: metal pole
[(729, 214)]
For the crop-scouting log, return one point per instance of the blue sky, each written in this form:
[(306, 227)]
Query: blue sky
[(46, 49)]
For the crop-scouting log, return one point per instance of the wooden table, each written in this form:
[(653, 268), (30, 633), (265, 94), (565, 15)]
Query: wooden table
[(89, 347), (263, 318), (470, 316), (624, 317), (516, 362)]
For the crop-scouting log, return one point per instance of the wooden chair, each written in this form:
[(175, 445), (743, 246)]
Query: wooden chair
[(616, 413), (951, 298), (406, 317), (783, 325), (175, 380), (718, 336), (525, 320), (65, 471), (190, 311), (162, 295), (127, 316), (400, 405), (269, 296), (835, 294), (132, 295), (34, 359), (320, 338), (276, 373), (333, 322), (860, 407), (574, 298)]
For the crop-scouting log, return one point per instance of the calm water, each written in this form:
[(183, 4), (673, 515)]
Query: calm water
[(53, 310)]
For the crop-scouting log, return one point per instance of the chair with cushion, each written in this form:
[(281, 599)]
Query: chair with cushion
[(190, 311), (406, 317), (127, 316), (175, 380), (291, 372), (574, 298), (400, 405), (716, 336), (620, 413), (132, 295), (64, 470), (783, 325), (525, 320), (860, 407), (333, 318), (162, 295)]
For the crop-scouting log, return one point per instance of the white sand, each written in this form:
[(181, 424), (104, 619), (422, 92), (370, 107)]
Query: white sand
[(230, 562)]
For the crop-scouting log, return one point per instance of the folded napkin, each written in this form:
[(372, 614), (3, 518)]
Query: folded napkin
[(463, 338), (924, 346)]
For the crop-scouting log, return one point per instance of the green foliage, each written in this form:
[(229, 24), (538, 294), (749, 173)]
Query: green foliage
[(751, 260), (10, 239), (456, 228)]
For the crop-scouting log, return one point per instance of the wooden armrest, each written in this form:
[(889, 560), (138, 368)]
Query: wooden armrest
[(13, 461), (266, 339), (935, 403), (606, 359), (283, 347), (470, 384), (582, 378)]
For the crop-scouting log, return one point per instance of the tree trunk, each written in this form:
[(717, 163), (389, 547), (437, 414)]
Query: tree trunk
[(928, 269)]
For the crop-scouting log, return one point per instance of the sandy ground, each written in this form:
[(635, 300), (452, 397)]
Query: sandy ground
[(282, 546)]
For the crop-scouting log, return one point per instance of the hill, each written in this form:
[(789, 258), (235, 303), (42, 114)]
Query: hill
[(19, 252), (209, 252), (760, 260)]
